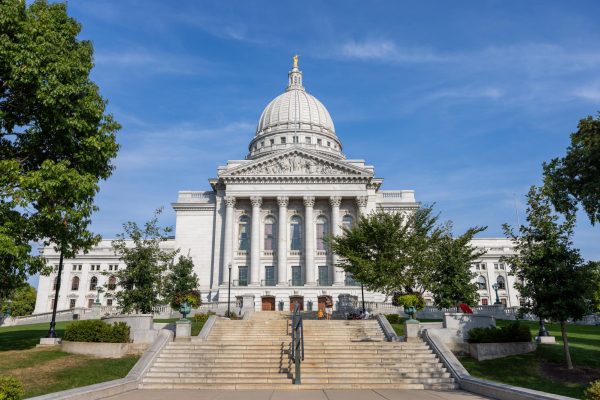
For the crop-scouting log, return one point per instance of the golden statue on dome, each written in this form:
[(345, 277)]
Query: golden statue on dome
[(295, 60)]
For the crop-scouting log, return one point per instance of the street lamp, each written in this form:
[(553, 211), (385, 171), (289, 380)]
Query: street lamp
[(495, 287), (99, 289), (229, 293), (362, 292), (543, 331), (52, 331)]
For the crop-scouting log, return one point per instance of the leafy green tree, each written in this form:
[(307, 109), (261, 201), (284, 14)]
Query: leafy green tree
[(56, 142), (21, 303), (140, 283), (550, 273), (181, 280), (575, 178), (451, 281)]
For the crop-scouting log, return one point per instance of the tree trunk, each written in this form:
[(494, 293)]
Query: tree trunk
[(563, 330)]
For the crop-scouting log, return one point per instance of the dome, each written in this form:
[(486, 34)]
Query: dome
[(295, 118)]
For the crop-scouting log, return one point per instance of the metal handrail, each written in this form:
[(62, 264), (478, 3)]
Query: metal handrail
[(297, 342)]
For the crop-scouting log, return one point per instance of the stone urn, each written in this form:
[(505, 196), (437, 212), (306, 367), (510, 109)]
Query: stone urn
[(410, 310), (185, 309)]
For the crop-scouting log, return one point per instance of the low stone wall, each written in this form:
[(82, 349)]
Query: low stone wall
[(101, 350), (141, 326), (490, 351)]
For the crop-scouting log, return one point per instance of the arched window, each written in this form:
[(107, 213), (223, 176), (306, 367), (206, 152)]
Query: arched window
[(347, 221), (244, 233), (270, 233), (296, 233), (501, 283), (55, 284), (322, 231), (75, 283), (481, 283), (112, 283), (93, 283)]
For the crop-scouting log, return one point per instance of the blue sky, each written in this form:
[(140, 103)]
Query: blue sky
[(460, 101)]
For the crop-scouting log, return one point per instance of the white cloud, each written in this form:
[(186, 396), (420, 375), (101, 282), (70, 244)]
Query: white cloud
[(386, 50), (591, 93)]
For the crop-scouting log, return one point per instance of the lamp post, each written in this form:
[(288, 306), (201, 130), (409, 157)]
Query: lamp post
[(543, 331), (229, 293), (97, 302), (52, 331), (362, 292), (495, 287)]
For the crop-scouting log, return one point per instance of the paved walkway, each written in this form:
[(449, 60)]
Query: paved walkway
[(377, 394)]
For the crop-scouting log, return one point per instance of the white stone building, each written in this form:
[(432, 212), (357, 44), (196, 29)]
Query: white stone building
[(265, 216)]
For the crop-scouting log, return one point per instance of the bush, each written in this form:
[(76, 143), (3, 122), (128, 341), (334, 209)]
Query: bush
[(192, 297), (202, 317), (97, 331), (513, 332), (393, 318), (409, 300), (593, 392), (11, 388)]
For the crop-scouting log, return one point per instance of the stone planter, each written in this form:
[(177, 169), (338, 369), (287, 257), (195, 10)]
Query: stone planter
[(101, 350), (489, 351)]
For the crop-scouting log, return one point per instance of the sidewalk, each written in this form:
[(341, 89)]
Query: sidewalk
[(376, 394)]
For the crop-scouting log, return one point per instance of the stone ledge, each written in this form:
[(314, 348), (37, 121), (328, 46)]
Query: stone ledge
[(388, 330), (490, 351)]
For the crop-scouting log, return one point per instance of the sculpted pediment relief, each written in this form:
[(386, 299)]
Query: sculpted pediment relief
[(297, 164)]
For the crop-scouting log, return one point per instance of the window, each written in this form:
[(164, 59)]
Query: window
[(79, 267), (480, 266), (109, 302), (72, 303), (112, 283), (93, 283), (243, 233), (522, 302), (55, 283), (110, 267), (347, 221), (74, 267), (501, 283), (319, 142), (283, 140), (484, 302), (262, 143), (270, 233), (75, 283), (113, 267), (503, 301), (296, 275), (51, 304), (90, 303), (481, 283), (295, 139), (269, 275), (323, 275), (94, 267), (499, 267), (322, 231), (328, 143), (272, 141), (307, 140), (243, 275), (296, 233)]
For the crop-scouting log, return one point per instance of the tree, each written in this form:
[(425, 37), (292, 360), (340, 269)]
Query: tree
[(575, 178), (140, 282), (551, 274), (21, 303), (56, 142), (180, 281), (451, 282)]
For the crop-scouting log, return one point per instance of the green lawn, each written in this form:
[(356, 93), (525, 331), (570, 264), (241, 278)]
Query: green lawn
[(399, 328), (544, 369), (27, 336), (196, 325)]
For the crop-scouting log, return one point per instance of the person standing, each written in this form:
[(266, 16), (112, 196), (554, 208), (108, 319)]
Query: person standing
[(328, 308)]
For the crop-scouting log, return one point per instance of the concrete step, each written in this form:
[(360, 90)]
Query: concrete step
[(303, 386)]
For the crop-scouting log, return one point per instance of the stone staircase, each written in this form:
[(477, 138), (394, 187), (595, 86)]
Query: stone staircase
[(254, 354)]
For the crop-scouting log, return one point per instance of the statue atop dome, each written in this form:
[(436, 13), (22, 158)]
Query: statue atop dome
[(295, 58)]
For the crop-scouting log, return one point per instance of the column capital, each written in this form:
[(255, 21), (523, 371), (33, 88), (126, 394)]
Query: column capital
[(283, 201), (256, 201), (229, 201), (335, 201), (362, 201), (309, 201)]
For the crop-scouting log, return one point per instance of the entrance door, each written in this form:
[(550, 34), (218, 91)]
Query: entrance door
[(268, 303), (321, 304), (296, 299)]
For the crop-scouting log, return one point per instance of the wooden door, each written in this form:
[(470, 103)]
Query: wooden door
[(296, 299), (321, 303), (268, 303)]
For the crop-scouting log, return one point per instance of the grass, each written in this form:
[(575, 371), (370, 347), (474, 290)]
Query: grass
[(47, 370), (544, 369), (399, 328), (196, 325)]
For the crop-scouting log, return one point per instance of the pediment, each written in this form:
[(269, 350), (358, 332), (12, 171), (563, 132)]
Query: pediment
[(297, 163)]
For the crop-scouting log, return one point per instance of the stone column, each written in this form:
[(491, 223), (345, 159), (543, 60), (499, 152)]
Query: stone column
[(282, 245), (309, 241), (228, 240), (338, 273), (361, 202), (255, 241)]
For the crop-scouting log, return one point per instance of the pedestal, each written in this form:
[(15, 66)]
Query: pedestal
[(183, 329), (545, 339), (411, 330), (46, 341)]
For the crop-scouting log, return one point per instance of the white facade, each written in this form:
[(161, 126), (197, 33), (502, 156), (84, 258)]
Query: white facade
[(266, 214)]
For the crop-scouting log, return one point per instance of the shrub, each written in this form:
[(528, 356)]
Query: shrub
[(513, 332), (202, 317), (393, 318), (11, 388), (97, 331), (410, 300), (192, 297), (593, 392)]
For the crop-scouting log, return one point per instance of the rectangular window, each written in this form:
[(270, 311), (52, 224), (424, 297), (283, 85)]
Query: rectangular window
[(484, 302), (269, 275), (321, 232), (296, 275), (110, 267), (296, 237), (503, 301), (319, 142), (244, 238), (295, 139), (307, 140), (521, 301), (79, 267), (74, 267), (262, 143), (90, 303), (328, 144), (272, 141), (283, 140), (72, 303), (109, 302), (243, 275), (269, 237), (496, 266), (323, 275)]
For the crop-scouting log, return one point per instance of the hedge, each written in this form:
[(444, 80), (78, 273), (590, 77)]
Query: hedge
[(513, 332), (11, 388), (97, 331)]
